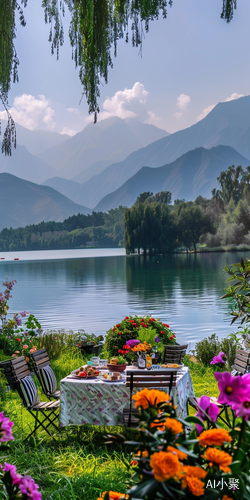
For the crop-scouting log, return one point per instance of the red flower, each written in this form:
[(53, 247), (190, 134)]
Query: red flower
[(134, 324), (134, 462), (172, 337), (126, 317), (162, 333), (165, 324), (131, 321), (114, 329), (142, 320), (19, 340), (118, 326), (119, 333)]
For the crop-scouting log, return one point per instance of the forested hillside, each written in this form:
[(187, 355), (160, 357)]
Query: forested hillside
[(78, 231)]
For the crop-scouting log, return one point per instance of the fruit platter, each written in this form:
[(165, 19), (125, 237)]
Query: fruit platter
[(86, 372), (171, 365)]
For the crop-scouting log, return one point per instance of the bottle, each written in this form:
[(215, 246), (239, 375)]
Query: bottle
[(141, 362)]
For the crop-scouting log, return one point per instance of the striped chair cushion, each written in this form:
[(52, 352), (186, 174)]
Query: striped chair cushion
[(29, 390), (48, 380)]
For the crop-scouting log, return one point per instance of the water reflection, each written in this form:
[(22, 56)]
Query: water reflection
[(94, 293)]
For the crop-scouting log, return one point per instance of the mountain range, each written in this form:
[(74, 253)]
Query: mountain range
[(227, 124), (23, 203), (191, 175), (99, 145)]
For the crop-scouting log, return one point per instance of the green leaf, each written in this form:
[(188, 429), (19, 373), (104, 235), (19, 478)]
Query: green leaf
[(195, 420)]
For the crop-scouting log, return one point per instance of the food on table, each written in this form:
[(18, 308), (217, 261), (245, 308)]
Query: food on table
[(170, 365), (114, 361), (105, 375), (87, 371)]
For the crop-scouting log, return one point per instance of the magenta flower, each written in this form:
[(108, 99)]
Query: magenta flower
[(242, 409), (157, 339), (5, 428), (29, 487), (24, 313), (16, 478), (18, 321), (210, 408), (132, 342), (218, 359), (232, 389)]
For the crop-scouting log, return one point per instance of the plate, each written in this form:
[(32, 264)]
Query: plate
[(74, 374), (108, 381)]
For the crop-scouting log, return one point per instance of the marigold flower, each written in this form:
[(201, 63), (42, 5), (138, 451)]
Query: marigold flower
[(195, 485), (225, 497), (144, 454), (192, 470), (113, 495), (165, 465), (214, 436), (218, 457), (173, 425), (180, 454), (149, 397)]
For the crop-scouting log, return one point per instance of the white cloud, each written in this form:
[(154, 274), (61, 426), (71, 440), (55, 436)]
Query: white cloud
[(182, 101), (178, 115), (27, 111), (233, 97), (68, 131), (73, 110), (128, 103), (207, 110)]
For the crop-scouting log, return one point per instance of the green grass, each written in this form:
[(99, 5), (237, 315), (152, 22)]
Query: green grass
[(78, 465)]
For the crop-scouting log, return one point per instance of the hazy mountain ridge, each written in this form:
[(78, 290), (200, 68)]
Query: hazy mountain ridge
[(23, 202), (23, 164), (191, 175), (36, 141), (100, 145)]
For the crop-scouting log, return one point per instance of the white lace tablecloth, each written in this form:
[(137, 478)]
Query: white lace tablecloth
[(98, 403)]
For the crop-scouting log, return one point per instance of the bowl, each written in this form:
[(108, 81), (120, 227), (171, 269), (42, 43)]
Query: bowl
[(117, 368)]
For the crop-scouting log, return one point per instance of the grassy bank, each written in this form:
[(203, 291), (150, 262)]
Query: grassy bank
[(79, 465)]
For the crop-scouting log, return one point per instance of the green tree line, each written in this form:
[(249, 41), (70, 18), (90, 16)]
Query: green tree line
[(98, 229)]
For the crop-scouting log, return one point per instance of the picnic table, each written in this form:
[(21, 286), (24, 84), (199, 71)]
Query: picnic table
[(96, 402)]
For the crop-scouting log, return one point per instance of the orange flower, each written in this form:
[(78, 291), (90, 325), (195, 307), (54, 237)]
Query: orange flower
[(225, 497), (195, 485), (218, 457), (144, 454), (173, 424), (146, 398), (180, 454), (165, 465), (191, 470), (27, 359), (214, 436), (113, 495)]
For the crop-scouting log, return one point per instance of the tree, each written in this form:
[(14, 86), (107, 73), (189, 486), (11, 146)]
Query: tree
[(234, 182), (191, 224), (142, 197), (95, 27)]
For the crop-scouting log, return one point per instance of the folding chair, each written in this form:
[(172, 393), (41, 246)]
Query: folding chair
[(174, 354), (44, 373), (137, 379), (27, 391)]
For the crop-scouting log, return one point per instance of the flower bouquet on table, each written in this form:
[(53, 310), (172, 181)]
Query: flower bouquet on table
[(131, 328), (210, 463)]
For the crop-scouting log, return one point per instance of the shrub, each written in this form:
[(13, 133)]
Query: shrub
[(206, 349)]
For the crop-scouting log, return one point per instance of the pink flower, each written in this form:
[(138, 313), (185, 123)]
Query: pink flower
[(25, 346), (210, 408), (242, 409), (29, 487), (16, 478), (5, 428), (218, 359), (232, 389), (133, 342), (55, 338)]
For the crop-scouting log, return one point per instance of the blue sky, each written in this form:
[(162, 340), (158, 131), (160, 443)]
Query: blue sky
[(190, 61)]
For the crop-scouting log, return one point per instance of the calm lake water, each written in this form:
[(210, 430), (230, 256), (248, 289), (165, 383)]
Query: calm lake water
[(93, 289)]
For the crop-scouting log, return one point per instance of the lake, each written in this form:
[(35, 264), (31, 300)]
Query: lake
[(93, 289)]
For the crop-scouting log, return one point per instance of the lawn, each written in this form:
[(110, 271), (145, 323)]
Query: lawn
[(78, 465)]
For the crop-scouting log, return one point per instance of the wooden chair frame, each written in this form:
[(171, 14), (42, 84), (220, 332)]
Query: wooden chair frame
[(151, 380), (174, 353), (20, 370)]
